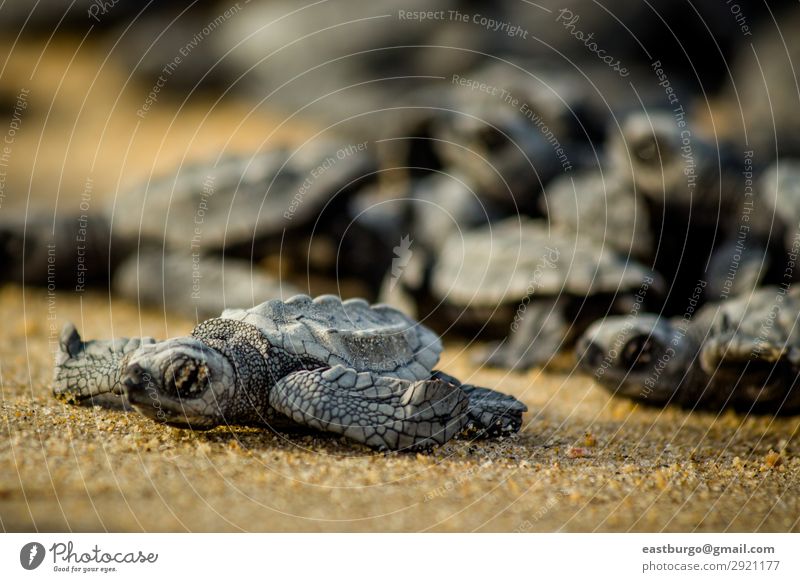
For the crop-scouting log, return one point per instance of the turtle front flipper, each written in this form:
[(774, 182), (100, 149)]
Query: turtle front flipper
[(88, 369), (379, 411)]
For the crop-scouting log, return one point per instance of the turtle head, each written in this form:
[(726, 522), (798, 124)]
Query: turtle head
[(180, 382), (650, 148), (639, 357)]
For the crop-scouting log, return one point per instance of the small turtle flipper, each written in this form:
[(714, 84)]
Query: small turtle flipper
[(491, 413), (88, 369), (379, 411)]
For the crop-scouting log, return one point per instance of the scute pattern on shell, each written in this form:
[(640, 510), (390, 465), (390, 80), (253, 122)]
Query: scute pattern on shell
[(349, 333), (504, 262)]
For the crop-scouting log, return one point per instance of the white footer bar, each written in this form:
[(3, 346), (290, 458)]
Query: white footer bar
[(401, 557)]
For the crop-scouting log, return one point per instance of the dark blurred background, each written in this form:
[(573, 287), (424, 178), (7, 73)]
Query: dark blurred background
[(90, 67)]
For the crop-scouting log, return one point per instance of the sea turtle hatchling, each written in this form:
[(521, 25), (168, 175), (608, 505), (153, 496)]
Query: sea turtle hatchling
[(191, 240), (365, 372), (547, 284), (742, 353)]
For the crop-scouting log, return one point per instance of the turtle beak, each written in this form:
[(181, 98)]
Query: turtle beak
[(137, 384), (132, 377)]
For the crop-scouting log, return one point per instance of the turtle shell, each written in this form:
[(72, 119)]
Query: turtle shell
[(238, 199), (351, 333), (515, 258), (605, 209)]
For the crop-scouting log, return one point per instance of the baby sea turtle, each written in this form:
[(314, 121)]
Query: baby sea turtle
[(190, 240), (742, 353), (547, 284), (705, 226), (491, 143), (419, 217), (603, 208), (345, 367)]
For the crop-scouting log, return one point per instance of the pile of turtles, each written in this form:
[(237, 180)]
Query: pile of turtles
[(527, 207)]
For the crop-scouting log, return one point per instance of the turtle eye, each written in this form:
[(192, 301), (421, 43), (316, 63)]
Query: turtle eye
[(187, 379), (639, 352), (651, 151), (491, 138)]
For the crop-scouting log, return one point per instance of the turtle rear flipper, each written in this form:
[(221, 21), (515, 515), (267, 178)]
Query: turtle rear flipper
[(379, 411), (87, 369), (491, 413)]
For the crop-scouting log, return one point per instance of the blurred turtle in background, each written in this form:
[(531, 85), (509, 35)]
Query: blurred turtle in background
[(192, 241), (543, 284), (705, 223), (743, 353)]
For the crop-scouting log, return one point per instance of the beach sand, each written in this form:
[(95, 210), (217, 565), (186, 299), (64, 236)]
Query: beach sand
[(585, 461)]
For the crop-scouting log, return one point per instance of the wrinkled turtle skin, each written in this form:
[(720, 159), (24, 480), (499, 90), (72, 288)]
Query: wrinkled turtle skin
[(743, 353), (345, 367)]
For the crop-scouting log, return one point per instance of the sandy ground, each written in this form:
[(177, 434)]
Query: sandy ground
[(585, 461)]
